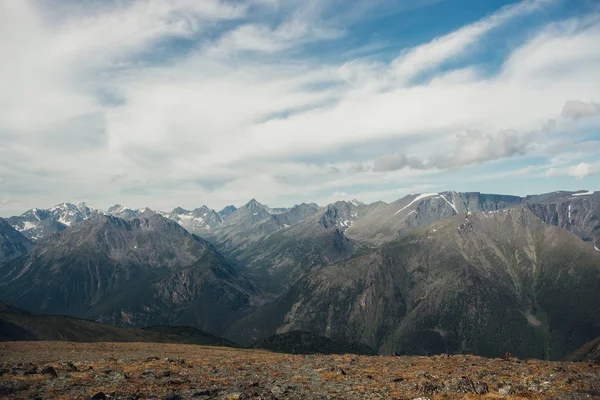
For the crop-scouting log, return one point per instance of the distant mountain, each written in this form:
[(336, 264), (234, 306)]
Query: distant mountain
[(485, 283), (298, 342), (226, 212), (428, 273), (386, 222), (12, 243), (37, 224), (200, 221), (254, 221), (123, 212), (146, 271), (19, 325), (278, 259), (577, 212)]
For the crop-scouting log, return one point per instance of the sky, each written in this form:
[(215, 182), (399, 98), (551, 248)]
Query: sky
[(165, 103)]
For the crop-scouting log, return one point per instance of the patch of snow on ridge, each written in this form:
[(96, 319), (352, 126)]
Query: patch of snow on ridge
[(26, 226), (450, 204), (419, 197), (583, 194), (597, 249), (64, 221)]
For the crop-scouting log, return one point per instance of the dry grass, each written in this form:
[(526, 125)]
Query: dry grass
[(160, 370)]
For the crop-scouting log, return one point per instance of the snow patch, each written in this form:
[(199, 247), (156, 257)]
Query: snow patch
[(597, 249), (26, 226), (419, 197), (583, 194), (450, 204), (64, 221), (569, 213), (254, 213)]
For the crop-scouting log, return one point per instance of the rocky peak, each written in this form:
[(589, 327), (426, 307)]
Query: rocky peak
[(227, 211), (254, 205)]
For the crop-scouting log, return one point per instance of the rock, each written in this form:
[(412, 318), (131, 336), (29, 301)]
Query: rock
[(148, 373), (207, 392), (70, 366), (235, 396), (466, 385), (30, 371), (396, 380), (175, 361), (277, 390), (422, 398), (506, 390), (114, 375), (173, 396), (12, 387), (340, 371), (5, 390), (48, 370), (99, 396), (149, 359), (570, 380), (430, 387)]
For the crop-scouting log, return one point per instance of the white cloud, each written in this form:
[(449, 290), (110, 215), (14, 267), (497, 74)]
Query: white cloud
[(187, 108), (581, 170), (429, 56)]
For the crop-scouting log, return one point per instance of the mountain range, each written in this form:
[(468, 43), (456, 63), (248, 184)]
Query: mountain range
[(429, 273)]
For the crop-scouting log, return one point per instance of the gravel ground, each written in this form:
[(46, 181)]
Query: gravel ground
[(64, 370)]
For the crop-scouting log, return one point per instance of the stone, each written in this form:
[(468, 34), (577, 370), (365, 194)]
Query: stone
[(506, 390), (70, 366), (30, 371), (48, 370), (430, 387), (99, 396), (277, 390)]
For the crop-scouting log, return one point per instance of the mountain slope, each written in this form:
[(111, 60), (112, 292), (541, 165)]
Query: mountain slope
[(253, 221), (495, 282), (279, 259), (37, 224), (577, 212), (12, 243), (589, 352), (298, 342), (145, 271), (18, 325), (200, 221), (387, 221)]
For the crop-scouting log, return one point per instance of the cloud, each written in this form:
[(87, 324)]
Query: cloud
[(471, 147), (394, 162), (581, 170), (204, 101), (574, 109), (430, 55), (550, 172)]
